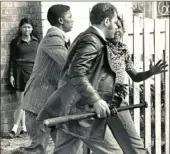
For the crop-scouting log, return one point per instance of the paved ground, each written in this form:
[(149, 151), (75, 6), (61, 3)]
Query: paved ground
[(8, 145)]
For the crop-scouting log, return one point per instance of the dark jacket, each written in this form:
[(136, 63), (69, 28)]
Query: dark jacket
[(50, 60), (22, 57), (87, 77)]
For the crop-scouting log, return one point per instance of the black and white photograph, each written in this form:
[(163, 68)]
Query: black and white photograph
[(85, 77)]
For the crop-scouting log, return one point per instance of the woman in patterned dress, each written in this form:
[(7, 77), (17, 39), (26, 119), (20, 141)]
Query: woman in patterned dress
[(121, 59), (122, 63)]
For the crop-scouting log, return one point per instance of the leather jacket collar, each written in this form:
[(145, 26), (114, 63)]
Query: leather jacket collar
[(94, 31)]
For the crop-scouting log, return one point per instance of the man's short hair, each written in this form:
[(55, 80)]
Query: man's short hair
[(55, 12), (100, 11)]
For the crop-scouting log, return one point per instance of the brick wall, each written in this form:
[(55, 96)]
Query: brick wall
[(11, 13)]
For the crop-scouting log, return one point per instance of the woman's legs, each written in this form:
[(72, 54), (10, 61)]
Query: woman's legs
[(125, 133), (23, 125), (20, 115)]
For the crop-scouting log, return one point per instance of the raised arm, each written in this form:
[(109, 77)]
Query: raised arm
[(159, 67)]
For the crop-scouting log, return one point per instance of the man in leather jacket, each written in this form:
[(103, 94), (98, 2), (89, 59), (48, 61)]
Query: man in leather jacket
[(87, 84)]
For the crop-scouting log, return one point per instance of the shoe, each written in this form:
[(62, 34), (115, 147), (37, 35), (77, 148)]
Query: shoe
[(12, 134), (22, 134)]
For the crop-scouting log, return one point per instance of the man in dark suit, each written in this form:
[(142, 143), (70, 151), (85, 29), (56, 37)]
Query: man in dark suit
[(51, 56)]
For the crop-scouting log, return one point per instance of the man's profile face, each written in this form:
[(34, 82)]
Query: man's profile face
[(67, 21), (112, 27)]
